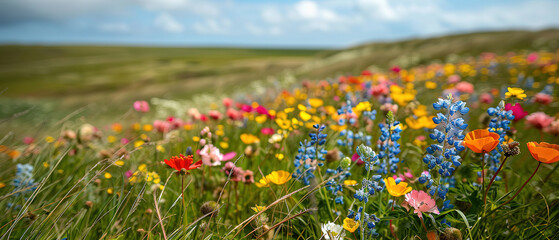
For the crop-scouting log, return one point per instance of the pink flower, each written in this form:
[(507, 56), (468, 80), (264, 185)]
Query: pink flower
[(128, 174), (356, 157), (228, 156), (543, 98), (532, 57), (124, 141), (227, 102), (28, 140), (336, 98), (366, 73), (267, 131), (453, 79), (214, 114), (396, 69), (553, 128), (141, 106), (465, 87), (211, 155), (248, 177), (236, 173), (517, 111), (408, 174), (161, 126), (234, 114), (486, 98), (421, 202), (389, 107), (539, 120), (379, 90)]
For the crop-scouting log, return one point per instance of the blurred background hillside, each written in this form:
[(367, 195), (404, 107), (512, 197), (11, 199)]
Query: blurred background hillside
[(63, 60)]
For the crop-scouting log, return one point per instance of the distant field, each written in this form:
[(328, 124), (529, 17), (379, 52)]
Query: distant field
[(40, 85)]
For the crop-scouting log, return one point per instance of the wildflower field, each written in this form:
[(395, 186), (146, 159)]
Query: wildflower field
[(461, 150)]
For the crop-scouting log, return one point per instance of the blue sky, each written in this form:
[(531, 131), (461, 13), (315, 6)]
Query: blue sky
[(261, 23)]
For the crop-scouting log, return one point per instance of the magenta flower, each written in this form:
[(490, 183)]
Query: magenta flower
[(141, 106), (228, 156), (28, 140), (262, 110), (211, 155), (267, 131), (356, 157), (421, 202), (517, 111), (396, 69), (539, 120)]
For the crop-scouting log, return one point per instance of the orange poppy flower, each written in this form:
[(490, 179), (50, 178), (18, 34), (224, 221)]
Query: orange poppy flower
[(481, 140), (394, 189), (181, 162), (544, 152)]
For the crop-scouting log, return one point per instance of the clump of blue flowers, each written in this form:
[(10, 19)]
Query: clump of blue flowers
[(23, 182), (310, 155), (388, 145), (335, 185), (444, 154), (499, 123)]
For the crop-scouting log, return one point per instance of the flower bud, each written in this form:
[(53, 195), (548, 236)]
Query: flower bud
[(210, 207), (451, 234), (346, 162)]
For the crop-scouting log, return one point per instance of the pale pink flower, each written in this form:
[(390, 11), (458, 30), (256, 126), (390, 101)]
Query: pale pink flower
[(227, 102), (543, 98), (161, 126), (453, 79), (421, 202), (553, 128), (194, 113), (539, 120), (236, 173), (389, 107), (465, 87), (248, 177), (124, 141), (141, 106), (210, 155), (228, 156), (486, 98)]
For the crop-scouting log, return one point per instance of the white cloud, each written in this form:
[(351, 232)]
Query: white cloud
[(271, 15), (168, 23), (202, 8), (114, 27), (212, 26)]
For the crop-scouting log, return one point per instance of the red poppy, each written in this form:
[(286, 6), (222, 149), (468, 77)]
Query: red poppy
[(181, 162)]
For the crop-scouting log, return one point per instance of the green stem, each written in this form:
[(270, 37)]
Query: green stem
[(517, 192), (492, 180)]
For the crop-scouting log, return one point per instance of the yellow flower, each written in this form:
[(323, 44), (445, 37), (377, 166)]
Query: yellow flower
[(160, 148), (143, 167), (49, 139), (224, 145), (108, 175), (350, 225), (148, 127), (315, 102), (394, 189), (257, 208), (421, 122), (420, 110), (117, 127), (119, 163), (60, 171), (302, 107), (430, 85), (111, 139), (249, 138), (350, 182), (261, 118), (138, 143), (196, 138), (2, 184), (515, 93), (279, 177), (305, 116), (136, 126), (279, 156), (110, 191), (45, 164), (264, 182)]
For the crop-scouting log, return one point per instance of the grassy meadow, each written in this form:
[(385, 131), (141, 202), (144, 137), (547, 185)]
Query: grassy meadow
[(444, 138)]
